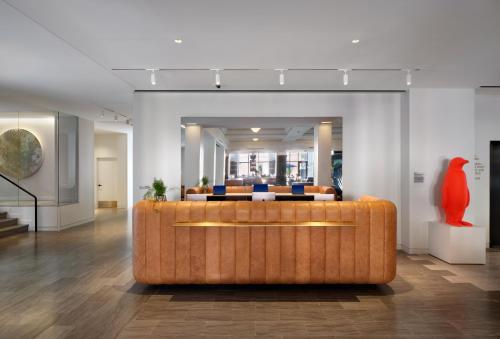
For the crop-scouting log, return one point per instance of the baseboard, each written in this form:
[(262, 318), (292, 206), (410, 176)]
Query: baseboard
[(410, 250), (77, 223), (44, 228), (63, 227)]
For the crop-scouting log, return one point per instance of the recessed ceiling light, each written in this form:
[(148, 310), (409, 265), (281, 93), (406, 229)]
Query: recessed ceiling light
[(183, 126), (255, 139), (355, 41), (178, 41), (255, 129), (326, 122)]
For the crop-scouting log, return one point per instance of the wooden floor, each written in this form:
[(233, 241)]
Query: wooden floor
[(78, 284)]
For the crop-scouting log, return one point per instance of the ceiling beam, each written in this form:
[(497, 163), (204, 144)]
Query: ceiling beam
[(296, 132)]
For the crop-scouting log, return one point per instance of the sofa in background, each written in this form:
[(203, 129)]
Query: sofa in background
[(267, 242), (276, 189)]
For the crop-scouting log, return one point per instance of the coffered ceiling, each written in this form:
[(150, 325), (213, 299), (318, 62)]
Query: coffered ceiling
[(60, 54)]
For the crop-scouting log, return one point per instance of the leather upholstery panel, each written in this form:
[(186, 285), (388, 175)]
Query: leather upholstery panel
[(277, 254)]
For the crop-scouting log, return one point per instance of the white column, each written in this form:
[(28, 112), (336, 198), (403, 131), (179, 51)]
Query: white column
[(208, 158), (191, 172), (157, 146), (323, 154), (220, 158)]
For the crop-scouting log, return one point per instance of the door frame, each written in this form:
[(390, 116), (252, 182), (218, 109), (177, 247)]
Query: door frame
[(96, 183)]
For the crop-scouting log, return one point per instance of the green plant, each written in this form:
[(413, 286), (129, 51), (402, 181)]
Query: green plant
[(204, 181), (156, 190)]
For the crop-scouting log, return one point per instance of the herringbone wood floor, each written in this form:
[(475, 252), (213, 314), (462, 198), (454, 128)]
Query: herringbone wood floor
[(78, 284)]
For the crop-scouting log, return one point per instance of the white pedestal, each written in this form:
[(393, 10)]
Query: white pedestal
[(457, 245)]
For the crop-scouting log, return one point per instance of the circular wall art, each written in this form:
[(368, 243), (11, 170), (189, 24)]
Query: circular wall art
[(20, 153)]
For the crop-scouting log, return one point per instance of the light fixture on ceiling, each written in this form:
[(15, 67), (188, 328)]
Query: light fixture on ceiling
[(153, 75), (255, 139), (183, 126), (116, 117), (217, 76), (282, 75), (355, 41), (345, 77), (255, 129), (102, 114), (178, 41), (408, 77), (326, 122)]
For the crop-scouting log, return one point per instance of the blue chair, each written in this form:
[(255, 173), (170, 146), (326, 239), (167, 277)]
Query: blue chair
[(219, 190), (297, 189), (260, 188)]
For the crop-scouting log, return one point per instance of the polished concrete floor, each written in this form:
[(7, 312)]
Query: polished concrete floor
[(78, 284)]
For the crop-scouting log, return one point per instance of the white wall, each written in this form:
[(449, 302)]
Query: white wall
[(487, 124), (113, 145), (193, 151), (43, 182), (439, 126), (371, 132)]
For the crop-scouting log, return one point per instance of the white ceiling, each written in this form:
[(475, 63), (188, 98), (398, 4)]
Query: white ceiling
[(287, 131), (60, 54)]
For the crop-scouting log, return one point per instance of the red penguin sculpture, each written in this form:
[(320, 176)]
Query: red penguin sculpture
[(455, 193)]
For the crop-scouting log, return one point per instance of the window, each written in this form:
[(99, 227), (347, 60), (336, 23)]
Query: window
[(243, 165), (299, 166)]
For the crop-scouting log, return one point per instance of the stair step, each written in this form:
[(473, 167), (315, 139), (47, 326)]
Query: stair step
[(8, 222), (3, 215), (10, 230)]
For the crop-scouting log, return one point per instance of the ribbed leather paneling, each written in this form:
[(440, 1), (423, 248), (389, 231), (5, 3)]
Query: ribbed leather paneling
[(275, 254)]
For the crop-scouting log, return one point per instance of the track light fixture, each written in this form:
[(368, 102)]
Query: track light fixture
[(408, 77), (345, 77), (153, 75), (217, 76), (281, 78)]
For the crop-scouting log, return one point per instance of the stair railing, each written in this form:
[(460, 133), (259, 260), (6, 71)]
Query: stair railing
[(30, 194)]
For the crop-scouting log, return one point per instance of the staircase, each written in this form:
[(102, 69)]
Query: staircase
[(9, 226)]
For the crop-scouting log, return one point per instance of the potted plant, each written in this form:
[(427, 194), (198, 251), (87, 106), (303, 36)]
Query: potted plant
[(204, 184), (156, 191)]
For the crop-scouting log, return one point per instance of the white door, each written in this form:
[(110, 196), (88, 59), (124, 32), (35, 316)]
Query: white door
[(107, 179)]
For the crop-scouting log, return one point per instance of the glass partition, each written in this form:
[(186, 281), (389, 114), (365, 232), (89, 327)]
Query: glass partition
[(67, 146), (39, 152)]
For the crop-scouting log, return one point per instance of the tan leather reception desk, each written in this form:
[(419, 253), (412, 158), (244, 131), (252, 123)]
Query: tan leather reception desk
[(264, 242)]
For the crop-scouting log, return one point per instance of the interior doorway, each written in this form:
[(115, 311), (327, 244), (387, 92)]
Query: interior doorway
[(107, 183), (495, 194)]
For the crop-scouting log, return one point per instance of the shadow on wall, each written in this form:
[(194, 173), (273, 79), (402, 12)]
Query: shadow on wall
[(437, 185)]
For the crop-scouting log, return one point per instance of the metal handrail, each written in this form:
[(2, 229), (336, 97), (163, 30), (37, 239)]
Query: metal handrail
[(29, 193)]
